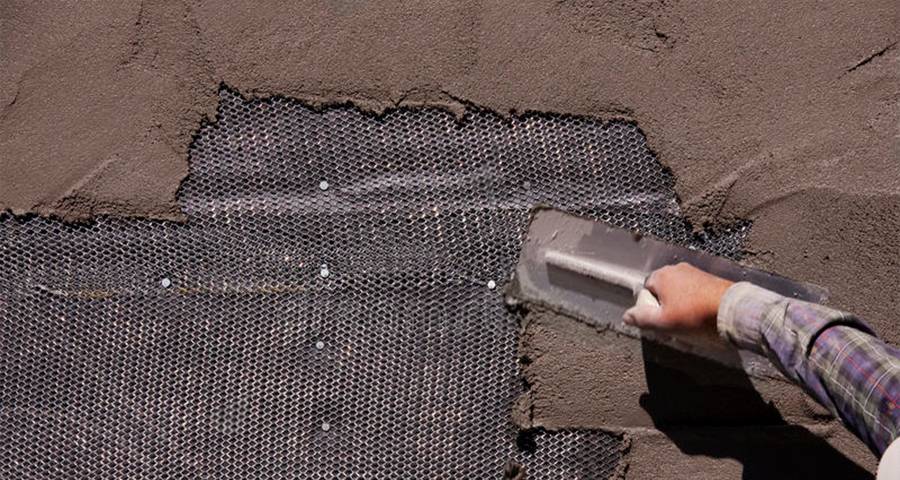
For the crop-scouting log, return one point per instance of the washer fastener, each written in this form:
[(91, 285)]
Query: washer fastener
[(166, 283), (491, 284), (320, 345), (326, 426), (323, 271), (323, 185)]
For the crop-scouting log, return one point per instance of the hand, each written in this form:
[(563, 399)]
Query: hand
[(688, 298)]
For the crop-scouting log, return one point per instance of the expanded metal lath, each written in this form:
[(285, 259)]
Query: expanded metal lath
[(324, 312)]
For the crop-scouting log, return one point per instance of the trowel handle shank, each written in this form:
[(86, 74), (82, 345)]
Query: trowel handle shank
[(605, 272)]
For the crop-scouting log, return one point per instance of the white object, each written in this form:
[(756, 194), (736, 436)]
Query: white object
[(605, 272), (889, 467)]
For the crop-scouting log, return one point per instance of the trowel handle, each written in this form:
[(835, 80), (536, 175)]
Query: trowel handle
[(644, 297), (604, 271)]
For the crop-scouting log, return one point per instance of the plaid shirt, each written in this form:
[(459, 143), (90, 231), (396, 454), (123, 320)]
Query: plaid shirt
[(833, 355)]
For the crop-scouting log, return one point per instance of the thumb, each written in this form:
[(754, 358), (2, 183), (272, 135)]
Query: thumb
[(643, 316)]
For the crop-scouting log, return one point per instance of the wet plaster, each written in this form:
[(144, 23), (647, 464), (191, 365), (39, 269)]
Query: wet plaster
[(580, 376), (681, 416), (783, 113), (763, 110), (746, 103)]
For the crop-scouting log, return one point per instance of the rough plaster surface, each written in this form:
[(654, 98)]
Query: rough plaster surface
[(762, 109), (684, 417), (746, 102), (582, 377), (784, 113)]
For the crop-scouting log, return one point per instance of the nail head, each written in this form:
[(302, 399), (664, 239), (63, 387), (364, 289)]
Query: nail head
[(320, 345), (491, 284), (166, 283), (323, 185)]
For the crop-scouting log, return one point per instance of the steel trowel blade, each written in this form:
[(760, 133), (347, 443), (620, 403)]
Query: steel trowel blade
[(602, 304)]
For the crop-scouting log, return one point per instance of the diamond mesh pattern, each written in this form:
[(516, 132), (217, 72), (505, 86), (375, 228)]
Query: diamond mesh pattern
[(293, 329)]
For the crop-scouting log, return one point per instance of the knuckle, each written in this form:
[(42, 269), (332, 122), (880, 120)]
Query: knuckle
[(666, 272)]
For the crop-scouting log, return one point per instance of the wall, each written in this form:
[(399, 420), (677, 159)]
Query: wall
[(784, 113)]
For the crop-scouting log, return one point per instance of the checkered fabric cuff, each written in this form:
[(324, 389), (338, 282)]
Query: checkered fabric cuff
[(742, 312)]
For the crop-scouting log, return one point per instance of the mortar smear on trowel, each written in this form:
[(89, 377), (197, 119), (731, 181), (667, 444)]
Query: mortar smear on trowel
[(593, 272)]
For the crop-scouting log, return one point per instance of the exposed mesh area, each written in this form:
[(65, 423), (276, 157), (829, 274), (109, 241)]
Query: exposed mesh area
[(297, 329)]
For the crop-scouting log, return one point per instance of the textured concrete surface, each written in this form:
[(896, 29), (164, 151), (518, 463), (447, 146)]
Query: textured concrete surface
[(581, 377), (764, 110), (784, 113), (685, 417)]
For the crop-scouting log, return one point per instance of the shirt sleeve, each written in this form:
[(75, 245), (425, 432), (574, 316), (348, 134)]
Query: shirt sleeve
[(833, 355)]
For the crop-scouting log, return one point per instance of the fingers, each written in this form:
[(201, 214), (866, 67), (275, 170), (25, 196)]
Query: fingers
[(663, 279), (689, 297), (644, 316)]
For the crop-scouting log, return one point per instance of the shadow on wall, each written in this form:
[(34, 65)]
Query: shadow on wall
[(769, 448)]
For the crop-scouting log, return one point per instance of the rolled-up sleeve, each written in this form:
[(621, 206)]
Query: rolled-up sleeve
[(833, 355)]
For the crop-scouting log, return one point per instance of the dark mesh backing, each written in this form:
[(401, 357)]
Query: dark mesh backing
[(251, 363)]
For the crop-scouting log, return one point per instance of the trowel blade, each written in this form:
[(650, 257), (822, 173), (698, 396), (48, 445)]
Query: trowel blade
[(602, 303)]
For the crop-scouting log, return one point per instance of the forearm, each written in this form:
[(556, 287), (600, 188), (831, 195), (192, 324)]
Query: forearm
[(833, 355)]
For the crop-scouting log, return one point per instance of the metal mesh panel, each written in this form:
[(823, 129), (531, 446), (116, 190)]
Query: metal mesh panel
[(325, 312)]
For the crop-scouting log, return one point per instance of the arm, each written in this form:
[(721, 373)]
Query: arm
[(834, 356)]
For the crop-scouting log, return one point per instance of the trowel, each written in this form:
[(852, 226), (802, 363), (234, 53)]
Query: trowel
[(592, 271)]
